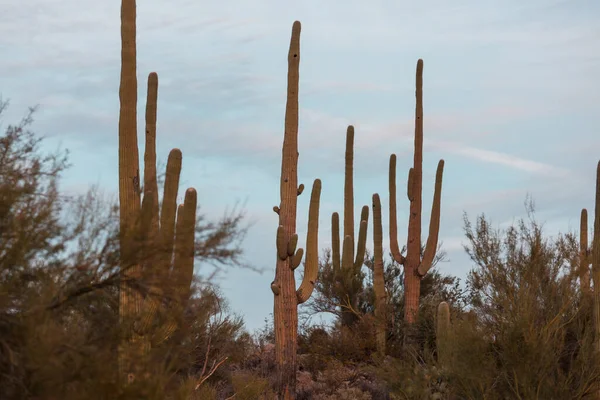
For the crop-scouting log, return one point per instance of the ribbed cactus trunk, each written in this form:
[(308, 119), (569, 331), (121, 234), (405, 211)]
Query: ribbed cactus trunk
[(156, 253), (584, 255), (378, 278), (347, 264), (596, 272), (442, 333), (130, 301), (415, 266), (286, 297)]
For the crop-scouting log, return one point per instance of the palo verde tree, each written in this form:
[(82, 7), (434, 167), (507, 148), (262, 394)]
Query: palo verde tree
[(286, 296)]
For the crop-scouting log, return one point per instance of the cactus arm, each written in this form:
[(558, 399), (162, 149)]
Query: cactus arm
[(410, 184), (395, 249), (335, 242), (434, 223), (311, 265), (362, 239), (169, 204), (584, 259), (150, 182), (349, 185), (184, 270)]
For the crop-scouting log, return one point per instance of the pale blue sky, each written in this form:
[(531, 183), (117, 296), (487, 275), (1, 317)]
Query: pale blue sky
[(511, 92)]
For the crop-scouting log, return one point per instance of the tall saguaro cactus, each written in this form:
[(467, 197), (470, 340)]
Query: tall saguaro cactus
[(129, 181), (596, 271), (442, 333), (148, 241), (415, 266), (347, 267), (584, 254), (378, 277), (286, 297)]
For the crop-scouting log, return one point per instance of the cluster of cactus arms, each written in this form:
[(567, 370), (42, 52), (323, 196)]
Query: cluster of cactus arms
[(378, 278), (347, 265), (286, 296), (415, 266), (157, 251), (442, 333)]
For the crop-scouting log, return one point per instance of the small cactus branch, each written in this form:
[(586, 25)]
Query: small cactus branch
[(297, 258), (584, 258), (335, 242), (291, 247), (300, 189), (150, 182), (184, 271), (434, 223), (276, 209), (362, 239), (281, 244), (275, 288), (395, 249), (347, 259), (311, 266), (169, 206)]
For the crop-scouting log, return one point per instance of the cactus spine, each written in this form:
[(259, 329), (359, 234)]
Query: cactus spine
[(286, 297), (347, 267), (378, 278), (442, 333), (415, 267), (147, 241)]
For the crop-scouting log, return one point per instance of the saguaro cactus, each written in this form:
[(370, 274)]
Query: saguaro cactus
[(596, 270), (147, 242), (347, 267), (286, 297), (378, 278), (415, 267), (584, 254), (442, 333)]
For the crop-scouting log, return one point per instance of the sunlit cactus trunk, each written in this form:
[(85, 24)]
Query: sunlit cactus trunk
[(378, 278), (286, 297), (415, 266)]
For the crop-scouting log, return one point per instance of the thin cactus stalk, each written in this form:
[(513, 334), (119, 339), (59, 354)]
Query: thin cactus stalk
[(442, 333), (596, 271), (286, 296), (415, 266), (147, 240), (378, 278), (584, 254), (347, 265)]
